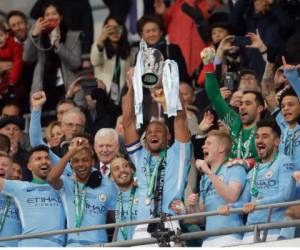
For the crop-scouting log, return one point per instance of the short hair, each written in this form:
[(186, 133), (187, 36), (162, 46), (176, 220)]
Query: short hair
[(4, 143), (49, 128), (247, 72), (224, 138), (86, 135), (258, 97), (287, 92), (3, 28), (107, 132), (76, 111), (149, 19), (37, 149), (5, 154), (63, 101), (11, 103), (270, 123), (16, 13)]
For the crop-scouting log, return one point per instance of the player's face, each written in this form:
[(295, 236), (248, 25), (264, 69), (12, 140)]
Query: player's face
[(14, 172), (40, 164), (156, 137), (249, 109), (290, 108), (5, 164), (211, 149), (106, 148), (121, 172), (82, 163), (266, 143)]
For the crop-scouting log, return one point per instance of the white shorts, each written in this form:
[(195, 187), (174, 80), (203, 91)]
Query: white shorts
[(222, 241), (140, 232)]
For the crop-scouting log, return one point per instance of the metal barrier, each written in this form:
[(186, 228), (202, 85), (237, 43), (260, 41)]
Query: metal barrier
[(178, 236)]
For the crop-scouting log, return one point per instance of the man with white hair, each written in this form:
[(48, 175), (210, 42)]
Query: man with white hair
[(106, 147)]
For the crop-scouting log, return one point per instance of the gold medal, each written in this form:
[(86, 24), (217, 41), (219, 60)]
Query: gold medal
[(147, 201)]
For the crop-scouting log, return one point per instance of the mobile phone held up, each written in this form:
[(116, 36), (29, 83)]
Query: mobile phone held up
[(241, 41)]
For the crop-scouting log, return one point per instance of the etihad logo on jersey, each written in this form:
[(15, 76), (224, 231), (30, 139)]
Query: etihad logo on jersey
[(40, 189), (266, 184), (44, 201)]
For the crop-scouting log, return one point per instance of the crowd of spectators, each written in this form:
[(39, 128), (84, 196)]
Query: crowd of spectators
[(80, 161)]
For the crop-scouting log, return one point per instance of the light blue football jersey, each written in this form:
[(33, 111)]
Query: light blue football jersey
[(176, 163), (212, 200), (129, 212), (98, 202), (12, 224), (40, 209)]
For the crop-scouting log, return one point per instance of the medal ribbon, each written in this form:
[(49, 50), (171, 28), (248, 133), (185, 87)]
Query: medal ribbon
[(124, 230), (253, 189), (151, 177), (79, 203), (5, 210), (239, 146), (289, 144)]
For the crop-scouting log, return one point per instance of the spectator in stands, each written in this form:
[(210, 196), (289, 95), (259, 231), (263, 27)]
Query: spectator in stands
[(151, 30), (270, 181), (18, 25), (57, 53), (243, 125), (10, 223), (45, 204), (63, 106), (222, 183), (15, 172), (128, 200), (110, 56), (77, 15), (106, 148), (19, 28), (168, 165), (53, 134), (4, 143), (248, 81), (93, 194), (129, 12), (12, 127), (272, 22), (182, 29), (10, 51)]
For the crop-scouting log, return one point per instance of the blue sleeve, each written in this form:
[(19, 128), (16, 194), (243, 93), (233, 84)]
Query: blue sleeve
[(35, 129), (281, 122), (36, 137), (245, 197), (135, 151), (286, 185), (112, 192), (237, 174), (294, 80), (12, 187)]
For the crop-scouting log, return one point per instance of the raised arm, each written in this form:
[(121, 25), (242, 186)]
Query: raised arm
[(130, 133), (53, 177), (181, 129), (291, 73), (267, 86)]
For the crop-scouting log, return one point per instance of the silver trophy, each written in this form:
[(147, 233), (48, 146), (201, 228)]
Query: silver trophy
[(153, 62)]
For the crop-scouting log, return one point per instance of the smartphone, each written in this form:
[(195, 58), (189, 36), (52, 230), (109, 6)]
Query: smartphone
[(241, 41), (229, 81)]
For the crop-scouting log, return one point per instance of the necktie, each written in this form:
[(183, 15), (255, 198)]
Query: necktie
[(104, 169)]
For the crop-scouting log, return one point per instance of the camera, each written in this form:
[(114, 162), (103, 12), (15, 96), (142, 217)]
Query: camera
[(241, 41), (88, 85)]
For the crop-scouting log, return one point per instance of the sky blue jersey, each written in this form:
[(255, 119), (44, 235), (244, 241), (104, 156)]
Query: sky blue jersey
[(40, 209), (275, 184), (176, 164), (98, 202), (12, 224), (127, 210), (212, 200)]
